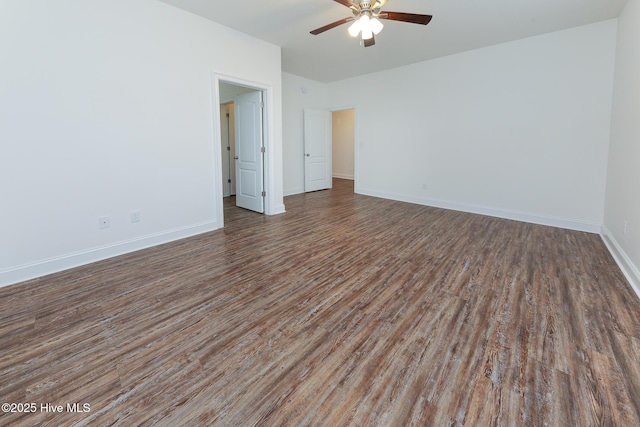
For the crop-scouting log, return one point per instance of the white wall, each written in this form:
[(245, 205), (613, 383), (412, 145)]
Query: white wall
[(298, 93), (343, 134), (623, 178), (106, 106), (518, 130)]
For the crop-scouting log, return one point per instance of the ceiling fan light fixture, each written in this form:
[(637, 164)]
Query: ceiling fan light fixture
[(354, 29), (364, 23), (376, 26), (368, 26), (367, 33)]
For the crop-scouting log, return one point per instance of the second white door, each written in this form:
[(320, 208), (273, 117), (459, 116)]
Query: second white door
[(317, 150)]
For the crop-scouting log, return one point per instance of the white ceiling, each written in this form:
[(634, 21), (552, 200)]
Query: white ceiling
[(457, 26)]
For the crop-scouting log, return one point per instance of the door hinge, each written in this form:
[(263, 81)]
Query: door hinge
[(262, 150), (264, 194), (227, 115), (229, 180), (261, 104), (228, 148)]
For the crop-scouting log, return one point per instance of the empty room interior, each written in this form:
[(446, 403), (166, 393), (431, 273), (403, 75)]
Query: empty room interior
[(325, 212)]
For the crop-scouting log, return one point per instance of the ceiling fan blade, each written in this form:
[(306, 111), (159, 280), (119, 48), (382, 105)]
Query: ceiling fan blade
[(370, 42), (330, 26), (413, 18)]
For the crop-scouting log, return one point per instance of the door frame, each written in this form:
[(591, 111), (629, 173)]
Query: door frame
[(227, 159), (356, 143), (268, 138)]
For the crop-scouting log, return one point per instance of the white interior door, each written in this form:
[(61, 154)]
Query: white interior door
[(317, 150), (249, 155)]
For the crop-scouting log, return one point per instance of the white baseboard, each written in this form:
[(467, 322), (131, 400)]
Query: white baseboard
[(499, 213), (292, 191), (343, 176), (629, 270), (64, 262), (279, 209)]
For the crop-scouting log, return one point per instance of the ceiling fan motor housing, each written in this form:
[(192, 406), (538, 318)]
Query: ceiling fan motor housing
[(364, 8)]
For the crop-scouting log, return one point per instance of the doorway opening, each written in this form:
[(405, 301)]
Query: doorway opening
[(242, 119), (343, 144), (330, 149)]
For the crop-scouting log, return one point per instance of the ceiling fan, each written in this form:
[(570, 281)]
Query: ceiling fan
[(367, 16)]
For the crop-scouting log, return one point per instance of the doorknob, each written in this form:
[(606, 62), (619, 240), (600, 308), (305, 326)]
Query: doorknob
[(235, 157), (308, 154)]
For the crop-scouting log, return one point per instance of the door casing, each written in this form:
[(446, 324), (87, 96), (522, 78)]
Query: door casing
[(271, 204), (227, 127)]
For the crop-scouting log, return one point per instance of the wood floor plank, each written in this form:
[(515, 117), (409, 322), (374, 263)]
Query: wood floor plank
[(346, 310)]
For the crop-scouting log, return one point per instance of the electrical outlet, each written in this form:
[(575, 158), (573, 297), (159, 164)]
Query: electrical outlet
[(104, 222), (624, 228), (135, 216)]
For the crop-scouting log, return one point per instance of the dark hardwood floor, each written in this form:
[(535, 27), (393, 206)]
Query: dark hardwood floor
[(345, 311)]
